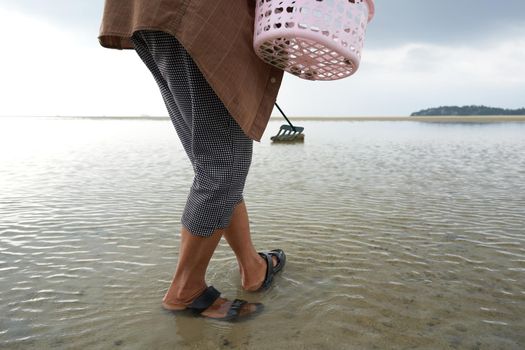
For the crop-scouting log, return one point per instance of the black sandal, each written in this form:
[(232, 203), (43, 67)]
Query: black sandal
[(208, 297), (270, 269)]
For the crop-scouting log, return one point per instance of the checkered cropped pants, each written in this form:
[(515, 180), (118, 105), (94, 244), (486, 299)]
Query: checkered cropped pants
[(218, 149)]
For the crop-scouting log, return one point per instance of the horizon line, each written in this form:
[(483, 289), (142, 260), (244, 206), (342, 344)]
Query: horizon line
[(437, 118)]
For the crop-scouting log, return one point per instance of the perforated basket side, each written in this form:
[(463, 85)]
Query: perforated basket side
[(316, 40)]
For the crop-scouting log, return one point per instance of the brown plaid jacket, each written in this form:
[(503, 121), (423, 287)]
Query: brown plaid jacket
[(218, 34)]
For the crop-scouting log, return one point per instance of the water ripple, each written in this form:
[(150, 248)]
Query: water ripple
[(406, 235)]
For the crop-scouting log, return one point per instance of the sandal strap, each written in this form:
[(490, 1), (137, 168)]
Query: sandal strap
[(204, 300), (269, 270), (235, 308), (281, 257)]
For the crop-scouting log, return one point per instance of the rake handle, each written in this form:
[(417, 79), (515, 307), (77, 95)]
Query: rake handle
[(280, 110)]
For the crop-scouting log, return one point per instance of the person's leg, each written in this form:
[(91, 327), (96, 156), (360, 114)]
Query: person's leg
[(188, 282), (195, 253), (163, 58), (230, 147), (251, 265)]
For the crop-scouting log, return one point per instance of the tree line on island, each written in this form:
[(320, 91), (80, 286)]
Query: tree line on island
[(467, 110)]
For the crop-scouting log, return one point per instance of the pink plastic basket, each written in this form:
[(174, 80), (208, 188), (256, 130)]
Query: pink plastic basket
[(312, 39)]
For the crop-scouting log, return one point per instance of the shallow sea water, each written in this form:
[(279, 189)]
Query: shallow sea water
[(398, 235)]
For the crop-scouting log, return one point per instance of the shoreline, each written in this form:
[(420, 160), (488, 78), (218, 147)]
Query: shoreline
[(442, 119), (446, 119)]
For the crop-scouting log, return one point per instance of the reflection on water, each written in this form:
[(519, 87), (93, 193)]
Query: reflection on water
[(398, 235)]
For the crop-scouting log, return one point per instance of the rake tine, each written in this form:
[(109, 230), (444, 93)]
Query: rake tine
[(287, 132)]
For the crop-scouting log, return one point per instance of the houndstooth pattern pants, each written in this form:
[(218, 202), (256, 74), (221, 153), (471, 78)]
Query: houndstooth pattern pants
[(218, 149)]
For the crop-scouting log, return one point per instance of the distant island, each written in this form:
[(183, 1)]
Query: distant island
[(467, 110)]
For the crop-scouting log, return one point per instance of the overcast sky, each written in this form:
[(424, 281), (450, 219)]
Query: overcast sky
[(418, 54)]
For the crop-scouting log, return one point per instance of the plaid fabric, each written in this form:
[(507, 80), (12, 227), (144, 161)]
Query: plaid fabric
[(217, 147)]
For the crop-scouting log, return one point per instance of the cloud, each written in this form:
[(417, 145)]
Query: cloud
[(401, 80), (496, 64), (396, 23), (445, 22), (48, 72), (80, 17)]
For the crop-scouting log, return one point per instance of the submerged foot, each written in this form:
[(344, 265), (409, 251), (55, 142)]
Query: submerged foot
[(255, 281), (220, 308)]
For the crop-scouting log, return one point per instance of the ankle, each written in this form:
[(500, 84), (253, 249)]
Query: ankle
[(251, 263), (252, 266), (252, 276)]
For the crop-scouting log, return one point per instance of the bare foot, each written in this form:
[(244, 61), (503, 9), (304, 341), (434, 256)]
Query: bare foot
[(173, 306), (219, 309)]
